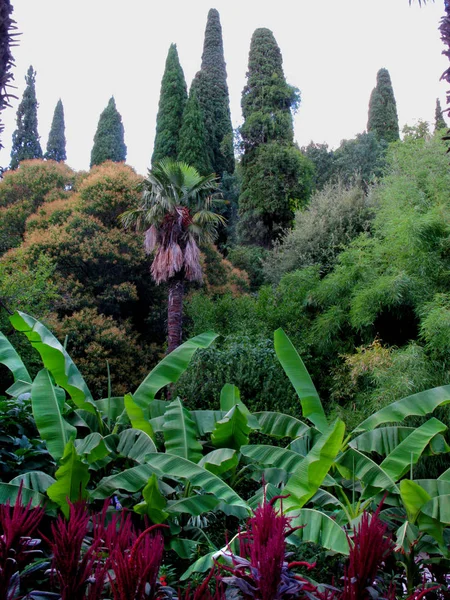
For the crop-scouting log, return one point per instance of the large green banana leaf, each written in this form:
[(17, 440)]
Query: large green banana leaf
[(10, 358), (47, 403), (320, 529), (111, 408), (19, 387), (56, 360), (34, 480), (137, 417), (180, 433), (154, 502), (194, 505), (170, 369), (414, 497), (272, 455), (420, 404), (205, 420), (72, 478), (229, 397), (355, 465), (438, 509), (312, 470), (135, 444), (232, 431), (382, 440), (10, 491), (408, 452), (92, 447), (434, 487), (201, 565), (129, 480), (294, 368), (279, 425), (220, 461)]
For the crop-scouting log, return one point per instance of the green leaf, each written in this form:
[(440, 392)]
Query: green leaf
[(10, 358), (352, 464), (56, 360), (294, 368), (420, 404), (137, 418), (194, 505), (135, 444), (92, 447), (438, 509), (205, 420), (184, 548), (405, 537), (204, 563), (34, 480), (71, 480), (231, 431), (279, 425), (180, 433), (10, 491), (170, 369), (265, 492), (414, 497), (220, 461), (154, 502), (397, 463), (19, 387), (111, 408), (47, 403), (229, 397), (312, 470), (129, 480), (272, 455), (382, 440), (320, 529)]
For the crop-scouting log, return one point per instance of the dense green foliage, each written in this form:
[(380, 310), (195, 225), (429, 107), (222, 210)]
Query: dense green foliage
[(277, 178), (25, 142), (109, 141), (7, 34), (439, 121), (383, 119), (56, 145), (210, 85), (172, 101), (193, 147)]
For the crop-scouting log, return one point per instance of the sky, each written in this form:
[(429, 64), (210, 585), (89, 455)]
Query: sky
[(85, 51)]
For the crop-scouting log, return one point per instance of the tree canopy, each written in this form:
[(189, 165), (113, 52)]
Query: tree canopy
[(25, 142), (56, 145), (383, 118), (109, 141)]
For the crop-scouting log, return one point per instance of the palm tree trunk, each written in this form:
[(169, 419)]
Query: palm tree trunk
[(175, 312)]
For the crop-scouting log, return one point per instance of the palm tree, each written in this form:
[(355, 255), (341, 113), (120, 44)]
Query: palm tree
[(175, 214)]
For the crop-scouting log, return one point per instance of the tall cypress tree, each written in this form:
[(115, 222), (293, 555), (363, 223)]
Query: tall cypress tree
[(56, 145), (25, 140), (192, 144), (439, 122), (172, 101), (276, 176), (210, 85), (109, 141), (7, 37), (383, 119)]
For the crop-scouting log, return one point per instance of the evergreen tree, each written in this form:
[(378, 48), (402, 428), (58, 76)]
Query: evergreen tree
[(56, 145), (192, 144), (25, 141), (7, 35), (211, 88), (109, 138), (172, 101), (277, 178), (439, 122), (383, 119)]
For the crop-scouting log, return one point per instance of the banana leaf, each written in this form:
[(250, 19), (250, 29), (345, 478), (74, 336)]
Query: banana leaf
[(111, 408), (229, 397), (170, 369), (354, 465), (34, 480), (201, 565), (382, 440), (56, 360), (294, 368), (10, 358), (279, 425), (438, 508), (272, 455), (92, 448), (414, 497), (220, 461), (232, 431), (129, 480), (135, 444), (183, 547), (18, 388), (408, 452), (137, 417), (154, 502), (320, 529), (312, 470), (434, 487), (194, 505), (420, 404), (180, 433), (72, 478), (47, 402), (205, 420), (10, 491), (264, 494)]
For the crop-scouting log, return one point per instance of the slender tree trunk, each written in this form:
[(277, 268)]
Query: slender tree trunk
[(175, 313)]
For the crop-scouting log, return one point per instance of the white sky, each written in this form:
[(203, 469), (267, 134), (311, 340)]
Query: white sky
[(84, 51)]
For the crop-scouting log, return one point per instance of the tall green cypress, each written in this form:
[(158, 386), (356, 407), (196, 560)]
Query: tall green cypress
[(439, 122), (277, 178), (25, 140), (211, 87), (192, 144), (56, 145), (383, 119), (172, 101), (7, 37), (109, 141)]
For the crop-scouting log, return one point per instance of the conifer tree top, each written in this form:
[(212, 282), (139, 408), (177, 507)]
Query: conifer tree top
[(383, 119), (109, 141), (56, 145), (213, 56)]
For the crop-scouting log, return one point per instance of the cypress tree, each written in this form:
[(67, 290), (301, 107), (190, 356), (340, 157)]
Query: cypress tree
[(276, 176), (192, 144), (7, 37), (109, 138), (383, 119), (172, 101), (25, 140), (439, 122), (211, 88), (56, 145)]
